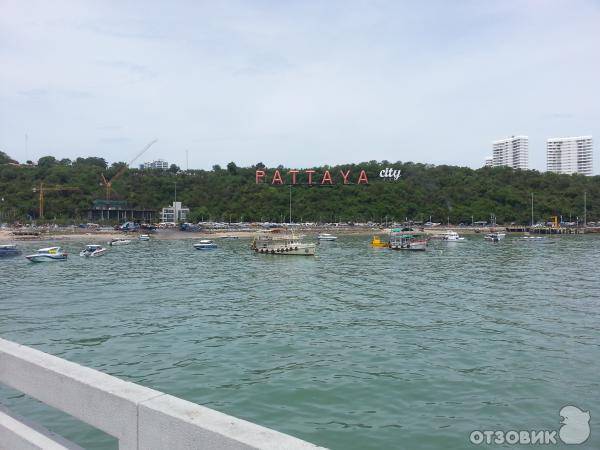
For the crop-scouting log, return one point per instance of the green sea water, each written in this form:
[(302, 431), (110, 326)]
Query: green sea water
[(357, 348)]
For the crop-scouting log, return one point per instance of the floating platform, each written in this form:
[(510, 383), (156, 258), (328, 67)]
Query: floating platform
[(544, 230)]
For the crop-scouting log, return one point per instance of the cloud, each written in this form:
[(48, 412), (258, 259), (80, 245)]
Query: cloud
[(141, 71), (35, 92)]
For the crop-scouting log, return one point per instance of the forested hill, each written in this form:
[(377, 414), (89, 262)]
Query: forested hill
[(231, 193)]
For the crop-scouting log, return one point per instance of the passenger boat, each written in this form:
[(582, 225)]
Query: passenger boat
[(326, 237), (205, 244), (9, 250), (120, 242), (494, 237), (376, 242), (93, 250), (405, 240), (449, 236), (144, 237), (48, 254), (278, 242)]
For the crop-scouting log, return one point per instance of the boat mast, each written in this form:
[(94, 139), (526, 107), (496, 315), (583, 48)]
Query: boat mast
[(585, 209), (290, 203), (532, 209)]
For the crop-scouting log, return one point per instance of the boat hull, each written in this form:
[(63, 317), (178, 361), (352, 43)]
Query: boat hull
[(94, 254), (291, 249), (326, 238), (46, 258), (205, 246), (123, 242)]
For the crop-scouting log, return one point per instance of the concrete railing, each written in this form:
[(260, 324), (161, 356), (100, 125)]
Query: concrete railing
[(139, 417)]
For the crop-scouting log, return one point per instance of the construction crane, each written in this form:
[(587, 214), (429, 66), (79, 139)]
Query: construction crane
[(108, 183), (41, 189)]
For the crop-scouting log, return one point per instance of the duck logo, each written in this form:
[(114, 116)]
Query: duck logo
[(575, 427)]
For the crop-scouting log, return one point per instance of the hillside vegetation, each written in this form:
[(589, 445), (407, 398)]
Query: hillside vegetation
[(231, 193)]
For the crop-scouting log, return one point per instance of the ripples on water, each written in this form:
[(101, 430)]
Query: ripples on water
[(358, 348)]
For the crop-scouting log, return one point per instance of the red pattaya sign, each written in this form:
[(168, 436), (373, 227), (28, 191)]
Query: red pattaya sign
[(311, 177)]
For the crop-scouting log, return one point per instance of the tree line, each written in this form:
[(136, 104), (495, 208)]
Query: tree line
[(423, 191)]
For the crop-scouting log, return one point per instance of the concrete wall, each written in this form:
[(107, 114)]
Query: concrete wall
[(140, 418)]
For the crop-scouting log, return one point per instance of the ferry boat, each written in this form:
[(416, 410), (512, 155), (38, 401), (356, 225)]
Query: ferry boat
[(326, 237), (405, 240), (119, 242), (376, 242), (48, 254), (9, 250), (93, 250), (449, 235), (144, 237), (494, 237), (276, 242), (205, 244)]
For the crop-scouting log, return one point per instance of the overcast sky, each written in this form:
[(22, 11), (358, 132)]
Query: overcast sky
[(298, 83)]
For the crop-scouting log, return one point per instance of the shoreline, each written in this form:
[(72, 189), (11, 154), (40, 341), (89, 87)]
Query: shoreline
[(6, 235)]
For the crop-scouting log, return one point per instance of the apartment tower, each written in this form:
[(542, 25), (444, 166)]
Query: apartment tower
[(511, 152), (570, 155)]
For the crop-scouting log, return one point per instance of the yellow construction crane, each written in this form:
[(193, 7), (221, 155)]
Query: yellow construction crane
[(108, 183), (41, 189)]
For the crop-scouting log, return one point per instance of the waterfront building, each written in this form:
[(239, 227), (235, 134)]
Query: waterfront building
[(117, 210), (489, 161), (158, 164), (175, 213), (569, 155), (511, 152)]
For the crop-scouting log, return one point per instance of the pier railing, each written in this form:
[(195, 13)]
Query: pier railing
[(139, 417)]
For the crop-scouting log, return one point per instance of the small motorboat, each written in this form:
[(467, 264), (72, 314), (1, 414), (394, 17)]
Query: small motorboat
[(48, 254), (120, 242), (9, 250), (145, 237), (229, 236), (205, 244), (494, 237), (376, 242), (326, 237), (93, 250), (447, 236)]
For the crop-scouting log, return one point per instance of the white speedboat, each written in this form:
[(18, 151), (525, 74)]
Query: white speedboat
[(449, 236), (48, 254), (144, 237), (205, 244), (229, 236), (120, 242), (276, 242), (93, 250), (326, 237), (9, 250), (494, 237)]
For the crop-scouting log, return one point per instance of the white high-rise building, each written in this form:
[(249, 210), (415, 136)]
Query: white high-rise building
[(158, 164), (512, 152), (570, 155), (489, 161)]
